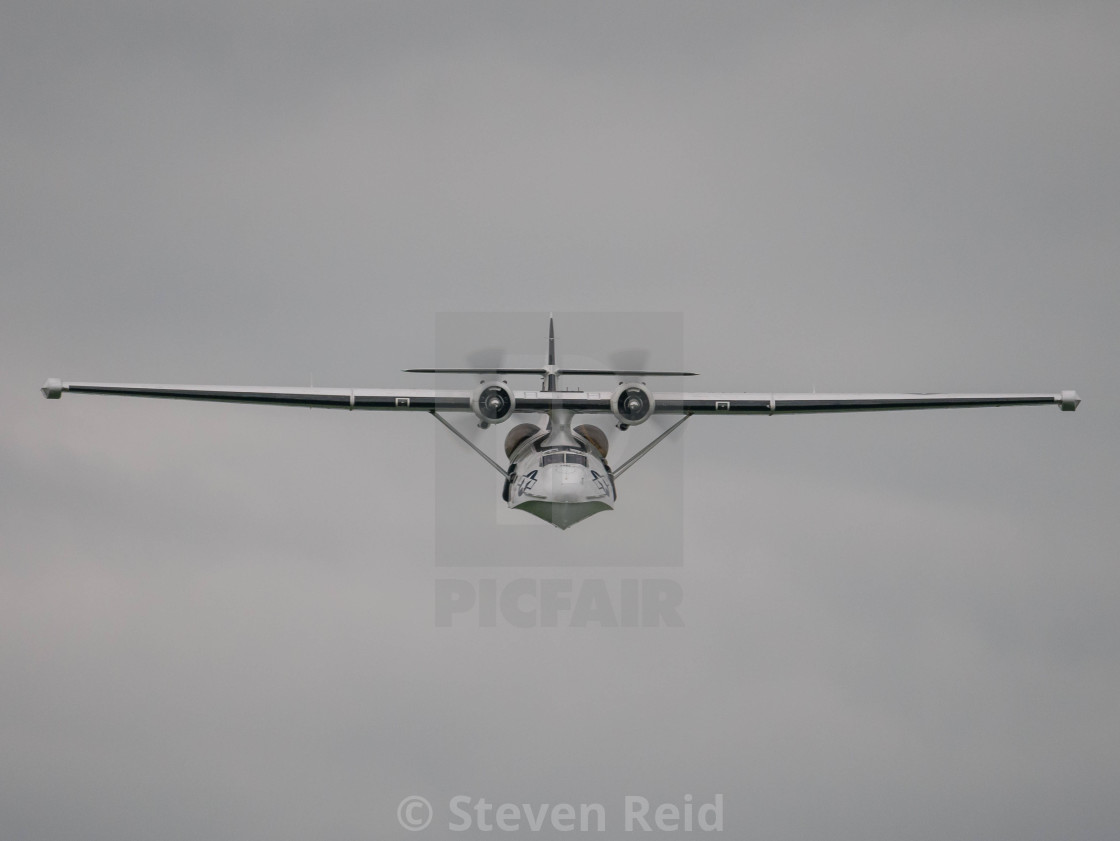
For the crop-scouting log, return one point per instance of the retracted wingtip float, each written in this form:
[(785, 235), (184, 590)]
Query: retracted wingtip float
[(559, 472)]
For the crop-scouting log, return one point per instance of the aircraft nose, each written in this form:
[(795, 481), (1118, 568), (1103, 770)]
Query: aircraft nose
[(568, 483)]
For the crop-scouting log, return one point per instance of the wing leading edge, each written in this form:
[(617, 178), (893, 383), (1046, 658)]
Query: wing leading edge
[(781, 404), (422, 400), (695, 403)]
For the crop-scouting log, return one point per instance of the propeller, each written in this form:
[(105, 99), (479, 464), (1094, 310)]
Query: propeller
[(486, 357), (481, 358), (494, 402), (629, 359), (624, 443)]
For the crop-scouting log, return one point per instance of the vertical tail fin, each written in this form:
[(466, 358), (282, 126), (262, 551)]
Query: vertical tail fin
[(550, 377), (551, 342)]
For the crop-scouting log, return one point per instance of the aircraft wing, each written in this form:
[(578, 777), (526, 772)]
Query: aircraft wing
[(676, 403), (781, 404), (405, 399)]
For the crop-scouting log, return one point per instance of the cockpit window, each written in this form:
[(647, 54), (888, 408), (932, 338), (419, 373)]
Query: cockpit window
[(564, 458)]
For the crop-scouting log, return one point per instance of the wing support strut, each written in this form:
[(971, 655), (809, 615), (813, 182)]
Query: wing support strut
[(626, 465), (468, 442)]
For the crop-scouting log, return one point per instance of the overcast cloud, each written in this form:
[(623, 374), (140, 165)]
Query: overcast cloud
[(217, 621)]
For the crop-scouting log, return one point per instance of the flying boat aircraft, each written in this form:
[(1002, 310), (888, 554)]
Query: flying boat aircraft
[(559, 471)]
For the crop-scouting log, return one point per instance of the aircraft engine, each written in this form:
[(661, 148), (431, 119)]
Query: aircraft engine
[(632, 404), (492, 403)]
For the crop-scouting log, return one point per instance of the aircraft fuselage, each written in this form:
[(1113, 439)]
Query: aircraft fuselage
[(559, 475)]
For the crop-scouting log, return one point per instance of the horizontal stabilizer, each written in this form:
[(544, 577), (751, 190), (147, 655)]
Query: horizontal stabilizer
[(608, 372), (539, 372)]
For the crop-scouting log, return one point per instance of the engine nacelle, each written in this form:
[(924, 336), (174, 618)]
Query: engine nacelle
[(492, 403), (632, 403)]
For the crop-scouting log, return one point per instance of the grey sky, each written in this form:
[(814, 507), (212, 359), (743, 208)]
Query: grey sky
[(216, 621)]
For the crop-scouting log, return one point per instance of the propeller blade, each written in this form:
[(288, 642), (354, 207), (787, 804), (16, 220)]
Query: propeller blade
[(629, 359)]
